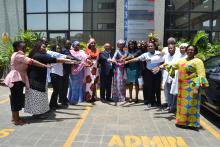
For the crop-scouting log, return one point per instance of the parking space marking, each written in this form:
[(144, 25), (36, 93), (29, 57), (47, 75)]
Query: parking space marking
[(6, 132), (210, 129), (159, 141), (77, 128), (4, 101)]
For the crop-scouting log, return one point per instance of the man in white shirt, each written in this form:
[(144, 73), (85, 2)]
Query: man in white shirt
[(169, 59), (171, 40)]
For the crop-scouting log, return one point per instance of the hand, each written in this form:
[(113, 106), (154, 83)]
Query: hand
[(109, 60), (126, 62), (148, 60), (48, 66), (75, 62), (155, 70), (162, 53), (195, 91), (161, 66)]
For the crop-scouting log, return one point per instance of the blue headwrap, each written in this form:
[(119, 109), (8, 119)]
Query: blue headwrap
[(75, 43)]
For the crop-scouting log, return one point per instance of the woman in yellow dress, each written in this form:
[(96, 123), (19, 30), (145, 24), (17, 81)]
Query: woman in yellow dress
[(191, 81)]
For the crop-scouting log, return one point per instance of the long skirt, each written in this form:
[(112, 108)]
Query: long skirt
[(91, 79), (36, 102), (76, 88), (119, 90), (188, 105)]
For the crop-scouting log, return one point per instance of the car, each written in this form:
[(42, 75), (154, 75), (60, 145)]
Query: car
[(211, 98)]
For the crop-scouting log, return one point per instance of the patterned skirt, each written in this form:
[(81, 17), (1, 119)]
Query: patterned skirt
[(91, 79), (36, 102), (119, 89)]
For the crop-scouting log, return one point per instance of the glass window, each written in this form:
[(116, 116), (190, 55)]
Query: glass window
[(57, 38), (103, 18), (103, 5), (200, 21), (201, 5), (58, 21), (57, 5), (177, 20), (80, 5), (104, 36), (43, 34), (82, 36), (216, 22), (177, 5), (177, 34), (36, 21), (36, 6), (215, 36), (216, 5), (80, 21)]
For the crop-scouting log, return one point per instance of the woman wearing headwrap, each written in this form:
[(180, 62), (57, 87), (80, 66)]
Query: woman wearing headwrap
[(91, 73), (76, 86), (119, 88)]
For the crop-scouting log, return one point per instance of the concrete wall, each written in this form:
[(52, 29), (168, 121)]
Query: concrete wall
[(159, 11), (120, 20), (11, 16)]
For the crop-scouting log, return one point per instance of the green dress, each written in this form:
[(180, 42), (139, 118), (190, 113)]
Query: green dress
[(133, 69)]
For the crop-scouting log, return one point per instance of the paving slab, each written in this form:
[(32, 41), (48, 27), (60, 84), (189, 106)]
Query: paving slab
[(101, 125)]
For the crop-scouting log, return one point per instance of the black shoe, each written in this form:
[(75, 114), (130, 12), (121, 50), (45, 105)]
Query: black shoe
[(109, 100), (65, 105), (103, 100), (136, 101)]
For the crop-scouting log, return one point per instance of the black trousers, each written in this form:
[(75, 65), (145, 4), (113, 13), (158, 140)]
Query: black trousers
[(56, 83), (105, 86), (17, 96), (64, 89), (152, 84), (144, 74)]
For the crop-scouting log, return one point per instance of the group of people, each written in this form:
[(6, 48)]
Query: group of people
[(177, 70)]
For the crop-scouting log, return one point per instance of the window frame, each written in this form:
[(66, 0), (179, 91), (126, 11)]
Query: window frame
[(189, 12), (69, 12)]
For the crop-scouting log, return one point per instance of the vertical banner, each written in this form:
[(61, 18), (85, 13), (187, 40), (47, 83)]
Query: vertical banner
[(126, 20)]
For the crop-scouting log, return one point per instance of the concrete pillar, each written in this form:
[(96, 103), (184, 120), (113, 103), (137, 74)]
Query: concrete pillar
[(11, 16), (119, 19), (159, 14)]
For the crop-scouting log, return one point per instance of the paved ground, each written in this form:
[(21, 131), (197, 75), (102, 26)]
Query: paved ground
[(102, 125)]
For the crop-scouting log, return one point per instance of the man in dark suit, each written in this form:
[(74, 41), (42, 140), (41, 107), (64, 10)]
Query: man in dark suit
[(106, 73)]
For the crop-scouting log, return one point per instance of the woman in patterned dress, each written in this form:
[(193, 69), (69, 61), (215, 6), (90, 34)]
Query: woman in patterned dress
[(192, 80), (119, 89), (91, 73)]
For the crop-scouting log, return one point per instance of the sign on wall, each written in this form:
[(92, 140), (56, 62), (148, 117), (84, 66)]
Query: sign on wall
[(138, 19)]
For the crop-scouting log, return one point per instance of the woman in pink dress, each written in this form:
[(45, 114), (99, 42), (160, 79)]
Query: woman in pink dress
[(17, 79), (76, 87)]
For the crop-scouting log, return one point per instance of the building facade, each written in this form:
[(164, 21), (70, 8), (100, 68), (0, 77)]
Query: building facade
[(110, 20)]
